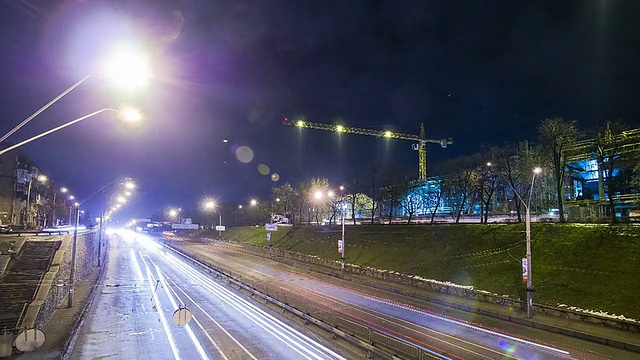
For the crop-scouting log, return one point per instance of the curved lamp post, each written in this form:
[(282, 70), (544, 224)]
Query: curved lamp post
[(125, 69), (211, 206), (126, 113), (124, 181)]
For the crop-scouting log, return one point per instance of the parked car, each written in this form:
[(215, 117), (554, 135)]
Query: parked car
[(5, 229)]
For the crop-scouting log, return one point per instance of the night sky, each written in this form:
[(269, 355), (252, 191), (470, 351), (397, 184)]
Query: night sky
[(480, 72)]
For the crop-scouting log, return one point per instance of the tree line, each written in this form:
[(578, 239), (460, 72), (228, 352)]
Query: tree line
[(495, 179)]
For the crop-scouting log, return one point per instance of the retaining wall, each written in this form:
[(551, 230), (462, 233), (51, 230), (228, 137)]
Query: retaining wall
[(54, 287)]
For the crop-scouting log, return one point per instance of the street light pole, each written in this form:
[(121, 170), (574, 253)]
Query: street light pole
[(220, 226), (25, 224), (72, 274), (528, 232), (343, 245)]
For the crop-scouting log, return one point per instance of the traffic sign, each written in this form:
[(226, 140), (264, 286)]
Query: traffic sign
[(220, 228), (271, 227), (525, 270)]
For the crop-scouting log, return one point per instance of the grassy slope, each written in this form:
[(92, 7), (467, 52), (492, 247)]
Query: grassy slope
[(594, 267)]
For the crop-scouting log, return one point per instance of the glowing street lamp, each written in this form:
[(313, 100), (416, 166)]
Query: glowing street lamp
[(27, 212), (253, 202), (62, 190), (210, 205), (126, 68)]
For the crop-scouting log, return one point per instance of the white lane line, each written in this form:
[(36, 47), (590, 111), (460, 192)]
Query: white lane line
[(192, 336), (295, 340), (165, 326), (151, 333), (202, 327), (136, 267), (213, 320)]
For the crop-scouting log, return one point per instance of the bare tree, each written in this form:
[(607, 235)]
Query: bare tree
[(556, 135), (459, 176), (609, 153), (412, 196)]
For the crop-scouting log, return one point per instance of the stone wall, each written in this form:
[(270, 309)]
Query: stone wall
[(54, 287)]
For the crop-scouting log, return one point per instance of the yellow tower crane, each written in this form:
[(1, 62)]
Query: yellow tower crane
[(420, 145)]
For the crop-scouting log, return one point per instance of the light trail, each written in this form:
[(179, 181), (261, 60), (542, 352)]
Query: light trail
[(165, 326), (555, 351), (214, 321), (192, 336), (295, 340)]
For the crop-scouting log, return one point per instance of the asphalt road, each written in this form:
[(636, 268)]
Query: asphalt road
[(445, 334), (145, 283)]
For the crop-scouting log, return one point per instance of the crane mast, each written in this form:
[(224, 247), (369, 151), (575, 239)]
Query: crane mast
[(420, 140)]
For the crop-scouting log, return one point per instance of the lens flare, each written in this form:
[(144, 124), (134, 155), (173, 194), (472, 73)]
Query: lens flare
[(263, 169), (244, 154)]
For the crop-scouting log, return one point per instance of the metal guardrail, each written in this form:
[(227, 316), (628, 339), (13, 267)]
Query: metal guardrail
[(38, 233)]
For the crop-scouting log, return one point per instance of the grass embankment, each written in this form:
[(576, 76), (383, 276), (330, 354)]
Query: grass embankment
[(595, 267)]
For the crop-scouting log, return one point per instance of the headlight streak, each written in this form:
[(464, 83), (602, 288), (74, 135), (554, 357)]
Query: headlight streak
[(470, 326), (444, 318), (547, 349), (400, 335), (210, 318), (192, 336), (261, 318), (544, 348), (163, 320)]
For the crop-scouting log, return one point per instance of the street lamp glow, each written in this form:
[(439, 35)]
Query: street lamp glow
[(173, 213), (129, 114), (341, 187), (318, 195), (254, 202), (537, 170), (339, 128), (71, 197), (300, 123), (388, 134), (210, 204), (63, 189), (277, 199), (239, 206), (121, 199), (76, 204), (129, 185), (127, 193), (127, 69), (330, 194), (42, 178)]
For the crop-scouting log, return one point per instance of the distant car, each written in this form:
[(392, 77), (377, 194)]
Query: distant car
[(5, 229)]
